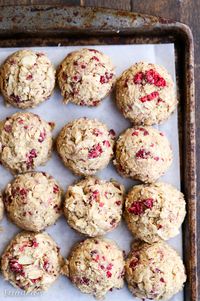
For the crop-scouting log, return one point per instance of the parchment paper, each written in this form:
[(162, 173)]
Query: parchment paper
[(122, 56)]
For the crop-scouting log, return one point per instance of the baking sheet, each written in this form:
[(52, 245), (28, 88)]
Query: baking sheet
[(54, 110)]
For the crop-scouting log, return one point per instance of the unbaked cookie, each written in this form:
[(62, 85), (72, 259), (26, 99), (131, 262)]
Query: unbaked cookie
[(96, 266), (1, 207), (85, 77), (143, 153), (33, 201), (25, 142), (145, 94), (27, 78), (85, 145), (31, 261), (154, 271), (154, 211), (93, 206)]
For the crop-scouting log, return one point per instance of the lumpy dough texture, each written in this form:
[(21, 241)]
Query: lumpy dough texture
[(154, 271), (1, 207), (154, 211), (96, 266), (85, 77), (33, 201), (31, 261), (143, 153), (85, 145), (25, 142), (27, 78), (93, 206), (145, 94)]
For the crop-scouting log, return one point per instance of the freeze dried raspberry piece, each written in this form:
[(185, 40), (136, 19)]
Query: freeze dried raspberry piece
[(143, 154), (140, 206), (42, 136), (15, 266), (95, 151), (149, 97), (138, 78), (155, 78)]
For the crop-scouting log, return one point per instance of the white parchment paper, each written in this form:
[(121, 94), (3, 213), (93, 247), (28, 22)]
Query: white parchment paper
[(123, 56)]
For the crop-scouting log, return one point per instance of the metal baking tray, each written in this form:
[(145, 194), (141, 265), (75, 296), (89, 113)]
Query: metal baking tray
[(47, 25)]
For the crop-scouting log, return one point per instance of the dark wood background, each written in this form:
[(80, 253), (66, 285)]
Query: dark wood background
[(185, 11)]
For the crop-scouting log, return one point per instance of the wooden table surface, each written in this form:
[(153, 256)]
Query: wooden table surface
[(185, 11)]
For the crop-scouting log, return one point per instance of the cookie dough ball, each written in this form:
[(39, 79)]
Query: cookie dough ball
[(145, 94), (1, 207), (27, 78), (143, 153), (85, 145), (25, 142), (93, 206), (154, 211), (96, 266), (85, 77), (33, 201), (154, 271), (31, 261)]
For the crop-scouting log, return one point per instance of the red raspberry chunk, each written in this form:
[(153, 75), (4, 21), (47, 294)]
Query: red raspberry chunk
[(138, 78), (8, 128), (95, 151), (106, 143), (108, 274), (142, 154), (149, 97), (16, 98), (56, 189), (30, 156), (42, 136), (140, 206), (97, 132), (134, 262), (15, 266), (153, 77)]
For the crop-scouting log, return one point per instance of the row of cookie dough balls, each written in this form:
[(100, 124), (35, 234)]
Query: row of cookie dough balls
[(94, 207), (85, 147), (32, 262), (145, 92)]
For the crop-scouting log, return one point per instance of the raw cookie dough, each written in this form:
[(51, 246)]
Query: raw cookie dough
[(27, 78), (85, 77), (33, 201), (96, 266), (143, 153), (154, 271), (145, 94), (1, 207), (31, 261), (93, 206), (25, 142), (85, 145), (155, 211)]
